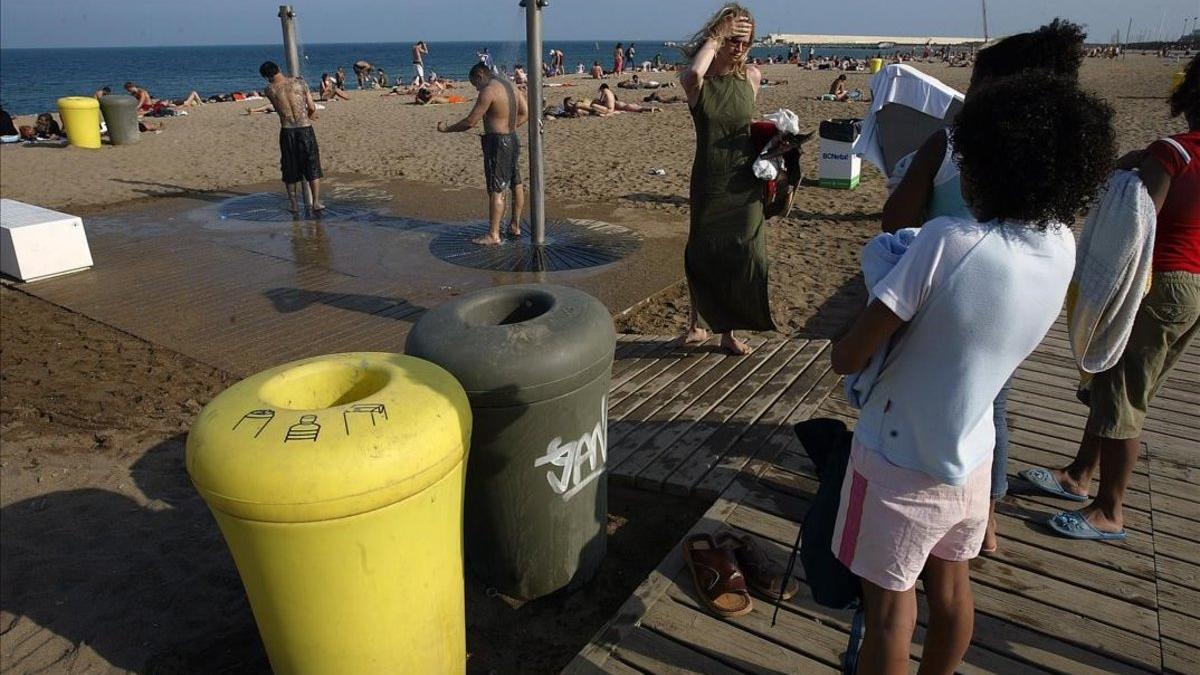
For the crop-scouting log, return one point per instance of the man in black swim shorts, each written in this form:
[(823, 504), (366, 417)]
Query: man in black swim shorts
[(299, 156), (502, 109)]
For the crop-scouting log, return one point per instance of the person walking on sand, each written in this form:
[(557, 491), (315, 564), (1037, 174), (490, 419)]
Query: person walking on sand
[(619, 59), (299, 157), (362, 71), (725, 259), (419, 51), (502, 110)]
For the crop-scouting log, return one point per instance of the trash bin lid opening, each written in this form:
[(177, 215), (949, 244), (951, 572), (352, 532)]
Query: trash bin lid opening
[(508, 308), (323, 384)]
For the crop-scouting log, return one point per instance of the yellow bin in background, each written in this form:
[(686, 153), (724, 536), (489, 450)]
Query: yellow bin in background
[(337, 482), (874, 65), (1177, 80), (81, 120)]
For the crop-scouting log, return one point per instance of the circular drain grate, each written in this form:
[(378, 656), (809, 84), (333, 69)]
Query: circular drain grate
[(271, 207), (570, 245)]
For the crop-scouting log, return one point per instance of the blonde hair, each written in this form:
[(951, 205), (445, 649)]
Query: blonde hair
[(709, 30)]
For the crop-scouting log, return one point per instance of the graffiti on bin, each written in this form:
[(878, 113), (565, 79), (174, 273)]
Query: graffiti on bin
[(588, 453)]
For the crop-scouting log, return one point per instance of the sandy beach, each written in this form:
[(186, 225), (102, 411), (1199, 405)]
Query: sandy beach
[(99, 415), (595, 160)]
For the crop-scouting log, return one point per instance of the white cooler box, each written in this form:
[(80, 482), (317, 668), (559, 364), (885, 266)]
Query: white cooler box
[(37, 243), (840, 167)]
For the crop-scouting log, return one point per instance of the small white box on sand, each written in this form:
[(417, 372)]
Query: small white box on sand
[(37, 243)]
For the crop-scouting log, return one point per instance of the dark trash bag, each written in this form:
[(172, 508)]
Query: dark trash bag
[(827, 442)]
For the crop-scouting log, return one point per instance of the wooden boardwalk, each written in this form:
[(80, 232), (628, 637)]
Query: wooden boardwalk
[(703, 423)]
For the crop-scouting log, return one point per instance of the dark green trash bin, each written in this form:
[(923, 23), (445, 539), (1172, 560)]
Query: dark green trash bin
[(535, 361), (120, 115)]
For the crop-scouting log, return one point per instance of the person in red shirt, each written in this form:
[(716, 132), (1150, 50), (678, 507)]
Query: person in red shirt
[(1166, 323)]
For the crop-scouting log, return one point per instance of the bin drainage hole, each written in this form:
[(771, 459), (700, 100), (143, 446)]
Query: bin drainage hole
[(571, 244)]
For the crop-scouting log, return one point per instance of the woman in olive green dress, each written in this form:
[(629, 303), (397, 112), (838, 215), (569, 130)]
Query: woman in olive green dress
[(726, 257)]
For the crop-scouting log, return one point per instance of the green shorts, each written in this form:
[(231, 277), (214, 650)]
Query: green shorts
[(1165, 324)]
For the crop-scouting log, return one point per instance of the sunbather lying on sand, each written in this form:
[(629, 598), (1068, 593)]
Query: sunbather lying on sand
[(608, 104), (426, 97)]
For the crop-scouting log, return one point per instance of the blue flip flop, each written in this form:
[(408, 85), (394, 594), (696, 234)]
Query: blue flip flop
[(1071, 525), (1046, 482)]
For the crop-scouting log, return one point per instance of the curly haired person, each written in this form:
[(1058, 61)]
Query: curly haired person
[(974, 296)]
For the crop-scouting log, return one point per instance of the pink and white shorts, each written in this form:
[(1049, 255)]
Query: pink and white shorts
[(892, 519)]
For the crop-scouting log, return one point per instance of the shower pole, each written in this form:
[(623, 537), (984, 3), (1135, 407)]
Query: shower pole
[(290, 51), (533, 49)]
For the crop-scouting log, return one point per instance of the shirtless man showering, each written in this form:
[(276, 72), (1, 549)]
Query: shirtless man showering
[(502, 109), (299, 156)]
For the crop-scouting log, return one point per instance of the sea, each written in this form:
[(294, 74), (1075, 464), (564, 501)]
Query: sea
[(32, 80)]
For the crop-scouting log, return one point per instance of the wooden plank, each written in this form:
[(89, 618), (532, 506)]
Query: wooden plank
[(1179, 657), (1175, 506), (628, 617), (1040, 589), (1177, 570), (654, 378), (726, 642), (665, 405), (1187, 487), (1181, 645), (773, 430), (1069, 626), (653, 653), (1036, 382), (724, 415), (639, 450), (1179, 598), (993, 638), (1168, 524), (641, 446), (1160, 422), (647, 352), (751, 416)]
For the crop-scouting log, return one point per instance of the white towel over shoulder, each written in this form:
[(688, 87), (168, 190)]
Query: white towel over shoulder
[(1112, 269)]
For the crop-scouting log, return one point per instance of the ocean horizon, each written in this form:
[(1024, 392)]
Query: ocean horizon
[(33, 79)]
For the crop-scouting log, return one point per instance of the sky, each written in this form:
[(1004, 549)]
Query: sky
[(119, 23)]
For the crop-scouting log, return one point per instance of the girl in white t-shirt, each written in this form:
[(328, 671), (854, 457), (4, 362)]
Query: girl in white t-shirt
[(974, 297)]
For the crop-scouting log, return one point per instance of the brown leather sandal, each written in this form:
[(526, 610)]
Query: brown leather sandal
[(719, 583), (762, 576)]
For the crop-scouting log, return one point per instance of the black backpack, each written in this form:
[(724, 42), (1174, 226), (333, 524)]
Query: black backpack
[(833, 585)]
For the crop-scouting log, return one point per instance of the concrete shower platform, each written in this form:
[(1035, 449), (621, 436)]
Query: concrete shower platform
[(227, 278)]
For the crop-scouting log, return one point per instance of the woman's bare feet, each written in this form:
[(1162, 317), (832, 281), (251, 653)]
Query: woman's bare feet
[(694, 336), (318, 207), (734, 346), (487, 240)]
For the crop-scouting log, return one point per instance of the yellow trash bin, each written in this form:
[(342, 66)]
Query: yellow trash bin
[(337, 482), (1177, 80), (874, 65), (81, 120)]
